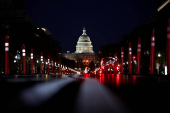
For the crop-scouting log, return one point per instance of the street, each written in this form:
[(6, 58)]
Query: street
[(86, 93)]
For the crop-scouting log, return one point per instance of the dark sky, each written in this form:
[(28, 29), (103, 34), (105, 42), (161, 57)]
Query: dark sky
[(105, 20)]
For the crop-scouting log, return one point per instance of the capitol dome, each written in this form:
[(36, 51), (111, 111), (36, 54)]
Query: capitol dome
[(84, 44)]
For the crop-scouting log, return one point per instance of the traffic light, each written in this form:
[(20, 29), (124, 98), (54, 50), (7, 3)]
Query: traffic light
[(84, 62), (134, 57), (87, 62)]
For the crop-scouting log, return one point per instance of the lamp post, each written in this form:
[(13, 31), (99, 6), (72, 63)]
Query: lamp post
[(41, 63), (159, 55), (37, 67), (17, 57), (48, 64), (46, 67), (32, 62)]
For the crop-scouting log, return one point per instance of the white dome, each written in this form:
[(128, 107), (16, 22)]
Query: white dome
[(84, 44), (84, 38)]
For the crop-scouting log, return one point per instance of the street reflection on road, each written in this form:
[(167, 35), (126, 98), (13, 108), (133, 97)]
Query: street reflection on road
[(114, 79)]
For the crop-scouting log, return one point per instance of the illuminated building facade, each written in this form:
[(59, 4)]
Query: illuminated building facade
[(84, 51), (84, 44)]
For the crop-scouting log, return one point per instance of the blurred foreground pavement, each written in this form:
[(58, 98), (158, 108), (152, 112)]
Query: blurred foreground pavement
[(85, 93)]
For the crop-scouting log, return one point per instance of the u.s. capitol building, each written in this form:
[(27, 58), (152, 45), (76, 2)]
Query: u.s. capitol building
[(84, 50)]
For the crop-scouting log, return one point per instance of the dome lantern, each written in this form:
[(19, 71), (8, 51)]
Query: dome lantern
[(84, 31)]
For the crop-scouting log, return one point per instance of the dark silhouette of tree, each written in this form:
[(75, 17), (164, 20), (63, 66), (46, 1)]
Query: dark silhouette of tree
[(92, 66), (68, 62)]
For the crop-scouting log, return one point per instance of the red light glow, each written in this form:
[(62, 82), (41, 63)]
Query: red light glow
[(102, 67), (117, 80)]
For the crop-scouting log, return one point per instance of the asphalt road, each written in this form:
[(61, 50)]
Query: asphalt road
[(140, 93), (86, 93)]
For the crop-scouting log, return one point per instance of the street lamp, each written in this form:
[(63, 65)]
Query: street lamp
[(37, 64), (17, 57), (159, 55)]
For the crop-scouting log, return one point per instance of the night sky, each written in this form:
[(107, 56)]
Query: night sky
[(105, 20)]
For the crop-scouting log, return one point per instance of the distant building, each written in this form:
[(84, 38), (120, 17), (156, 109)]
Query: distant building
[(46, 31), (15, 4), (12, 11), (15, 22), (84, 51)]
